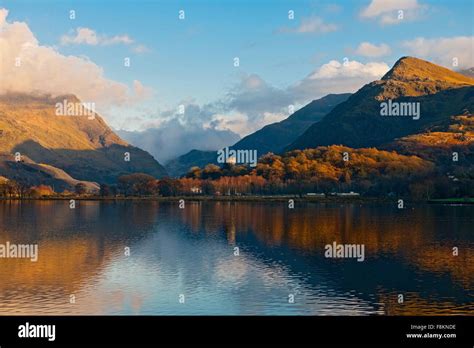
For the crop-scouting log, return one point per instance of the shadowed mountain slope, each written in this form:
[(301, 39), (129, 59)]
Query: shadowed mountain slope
[(82, 146)]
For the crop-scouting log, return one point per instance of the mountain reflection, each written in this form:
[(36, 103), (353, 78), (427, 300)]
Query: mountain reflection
[(191, 250)]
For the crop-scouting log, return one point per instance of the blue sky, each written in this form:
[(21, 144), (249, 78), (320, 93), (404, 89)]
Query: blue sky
[(190, 61), (194, 57)]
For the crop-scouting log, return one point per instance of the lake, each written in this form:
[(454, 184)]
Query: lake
[(236, 258)]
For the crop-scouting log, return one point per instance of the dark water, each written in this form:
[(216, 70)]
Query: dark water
[(190, 252)]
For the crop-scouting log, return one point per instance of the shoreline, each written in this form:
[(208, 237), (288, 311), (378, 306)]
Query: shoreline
[(273, 198), (219, 199), (453, 201)]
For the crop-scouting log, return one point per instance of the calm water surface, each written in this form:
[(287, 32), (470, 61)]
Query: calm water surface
[(191, 252)]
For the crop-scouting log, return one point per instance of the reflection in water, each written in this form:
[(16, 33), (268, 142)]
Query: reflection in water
[(191, 252)]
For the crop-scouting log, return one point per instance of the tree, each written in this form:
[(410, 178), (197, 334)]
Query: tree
[(194, 173), (211, 171), (8, 188), (80, 189), (41, 191), (104, 190), (169, 187), (208, 188), (137, 184)]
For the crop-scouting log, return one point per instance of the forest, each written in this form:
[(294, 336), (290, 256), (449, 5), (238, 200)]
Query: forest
[(334, 169)]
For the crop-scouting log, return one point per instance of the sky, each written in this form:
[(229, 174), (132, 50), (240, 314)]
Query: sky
[(183, 78)]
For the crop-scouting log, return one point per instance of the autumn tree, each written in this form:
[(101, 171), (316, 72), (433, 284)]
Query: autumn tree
[(211, 171), (169, 187), (139, 184), (80, 189), (41, 191)]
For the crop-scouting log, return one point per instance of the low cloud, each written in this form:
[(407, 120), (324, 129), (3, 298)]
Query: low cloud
[(367, 49), (178, 134), (451, 52), (253, 97)]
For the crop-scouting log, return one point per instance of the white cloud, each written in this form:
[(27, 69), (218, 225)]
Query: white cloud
[(83, 36), (237, 122), (172, 138), (44, 69), (253, 96), (349, 69), (338, 77), (140, 91), (367, 49), (444, 50), (245, 124), (379, 7), (87, 36), (167, 134), (388, 12), (315, 25)]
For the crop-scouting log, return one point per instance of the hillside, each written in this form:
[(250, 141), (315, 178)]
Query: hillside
[(370, 171), (274, 137), (29, 173), (439, 144), (194, 158), (440, 92), (83, 147)]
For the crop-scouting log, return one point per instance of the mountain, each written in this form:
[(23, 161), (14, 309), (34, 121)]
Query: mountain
[(358, 122), (274, 137), (83, 147), (271, 138), (193, 158)]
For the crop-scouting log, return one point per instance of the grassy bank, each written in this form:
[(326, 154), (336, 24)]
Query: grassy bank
[(452, 201), (272, 198)]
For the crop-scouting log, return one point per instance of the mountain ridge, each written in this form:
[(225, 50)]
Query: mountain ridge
[(275, 136), (358, 123), (84, 147)]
